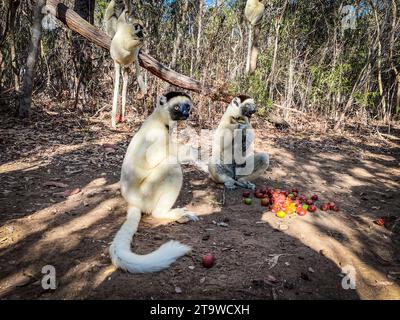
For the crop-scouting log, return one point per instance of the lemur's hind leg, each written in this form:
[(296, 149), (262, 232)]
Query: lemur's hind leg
[(225, 174), (261, 163), (114, 110), (125, 80), (163, 190)]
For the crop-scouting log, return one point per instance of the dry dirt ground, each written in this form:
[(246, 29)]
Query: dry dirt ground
[(257, 255)]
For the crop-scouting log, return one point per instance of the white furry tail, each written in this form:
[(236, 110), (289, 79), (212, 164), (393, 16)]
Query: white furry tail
[(122, 256)]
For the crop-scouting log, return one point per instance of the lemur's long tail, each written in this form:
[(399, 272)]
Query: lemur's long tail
[(124, 258)]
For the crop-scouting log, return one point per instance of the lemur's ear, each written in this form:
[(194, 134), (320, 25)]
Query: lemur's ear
[(163, 100), (236, 101)]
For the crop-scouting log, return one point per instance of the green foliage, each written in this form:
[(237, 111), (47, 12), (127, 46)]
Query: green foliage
[(330, 80), (367, 100), (101, 6)]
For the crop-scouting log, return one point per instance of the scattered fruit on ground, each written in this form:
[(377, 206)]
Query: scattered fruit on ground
[(208, 260), (248, 201), (335, 208), (265, 202), (312, 208), (380, 222), (301, 212), (246, 194), (325, 207), (260, 195), (283, 202), (281, 214)]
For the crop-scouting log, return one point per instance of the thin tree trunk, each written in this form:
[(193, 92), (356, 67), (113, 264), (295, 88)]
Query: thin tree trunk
[(199, 30), (13, 5), (29, 69), (277, 29), (179, 36), (392, 58), (82, 50), (379, 66)]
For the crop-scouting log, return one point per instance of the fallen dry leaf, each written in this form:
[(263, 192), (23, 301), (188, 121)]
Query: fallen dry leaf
[(55, 184)]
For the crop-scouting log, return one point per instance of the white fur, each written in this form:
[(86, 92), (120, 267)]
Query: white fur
[(124, 258)]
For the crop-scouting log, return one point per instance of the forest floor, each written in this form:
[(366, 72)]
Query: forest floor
[(258, 256)]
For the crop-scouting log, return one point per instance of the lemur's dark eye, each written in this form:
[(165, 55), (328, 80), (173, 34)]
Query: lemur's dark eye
[(176, 108)]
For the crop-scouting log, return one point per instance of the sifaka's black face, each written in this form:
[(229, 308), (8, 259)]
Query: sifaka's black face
[(248, 109), (138, 30), (180, 111)]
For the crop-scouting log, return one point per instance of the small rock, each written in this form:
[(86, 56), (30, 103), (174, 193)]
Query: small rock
[(311, 270), (191, 267), (178, 290), (283, 227), (202, 280), (287, 264)]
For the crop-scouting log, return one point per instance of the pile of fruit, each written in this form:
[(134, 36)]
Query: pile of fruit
[(284, 203)]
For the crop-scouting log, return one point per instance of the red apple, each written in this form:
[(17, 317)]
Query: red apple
[(331, 205), (246, 194), (314, 197), (265, 202), (208, 260), (325, 207), (301, 212), (335, 208), (259, 195), (380, 222), (309, 202), (312, 208)]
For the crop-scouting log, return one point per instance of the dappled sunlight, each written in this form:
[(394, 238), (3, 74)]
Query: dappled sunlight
[(323, 232), (82, 222)]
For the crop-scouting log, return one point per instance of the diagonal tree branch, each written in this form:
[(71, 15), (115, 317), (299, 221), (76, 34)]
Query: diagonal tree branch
[(74, 22)]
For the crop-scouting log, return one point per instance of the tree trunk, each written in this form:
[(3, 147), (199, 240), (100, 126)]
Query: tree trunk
[(392, 58), (180, 29), (199, 30), (29, 69), (82, 50)]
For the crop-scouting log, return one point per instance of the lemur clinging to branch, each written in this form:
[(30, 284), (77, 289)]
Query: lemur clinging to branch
[(253, 12), (127, 39)]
